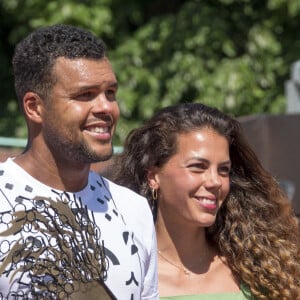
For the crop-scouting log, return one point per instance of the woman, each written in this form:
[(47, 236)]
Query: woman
[(225, 230)]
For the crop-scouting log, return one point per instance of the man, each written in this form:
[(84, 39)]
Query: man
[(65, 231)]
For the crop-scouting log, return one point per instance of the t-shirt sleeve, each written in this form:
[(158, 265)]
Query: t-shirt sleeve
[(150, 288)]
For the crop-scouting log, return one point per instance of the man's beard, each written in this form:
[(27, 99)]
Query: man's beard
[(68, 148), (83, 153)]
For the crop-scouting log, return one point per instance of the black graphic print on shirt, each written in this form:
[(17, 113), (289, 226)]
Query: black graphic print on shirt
[(60, 254)]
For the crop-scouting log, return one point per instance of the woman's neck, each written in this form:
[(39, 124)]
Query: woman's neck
[(188, 264), (184, 245)]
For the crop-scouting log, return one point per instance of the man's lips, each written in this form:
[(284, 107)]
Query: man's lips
[(98, 129), (102, 125)]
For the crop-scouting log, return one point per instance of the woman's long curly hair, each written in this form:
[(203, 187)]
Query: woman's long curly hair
[(255, 229)]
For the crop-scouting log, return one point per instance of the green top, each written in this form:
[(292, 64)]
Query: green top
[(244, 294), (219, 296)]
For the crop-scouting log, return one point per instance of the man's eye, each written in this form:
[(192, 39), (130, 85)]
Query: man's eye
[(111, 95), (85, 96)]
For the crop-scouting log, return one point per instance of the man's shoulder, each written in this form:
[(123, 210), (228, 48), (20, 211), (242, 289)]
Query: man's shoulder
[(121, 189), (114, 187), (7, 171), (123, 195), (5, 162)]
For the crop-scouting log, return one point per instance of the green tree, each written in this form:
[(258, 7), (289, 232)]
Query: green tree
[(232, 54)]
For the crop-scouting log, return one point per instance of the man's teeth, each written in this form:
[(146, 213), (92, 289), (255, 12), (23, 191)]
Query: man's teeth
[(99, 129)]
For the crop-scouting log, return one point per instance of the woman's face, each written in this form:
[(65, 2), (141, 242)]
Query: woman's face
[(194, 182)]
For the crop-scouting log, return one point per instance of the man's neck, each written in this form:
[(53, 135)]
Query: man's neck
[(66, 177)]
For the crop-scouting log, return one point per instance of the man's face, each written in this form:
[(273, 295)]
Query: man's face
[(79, 118)]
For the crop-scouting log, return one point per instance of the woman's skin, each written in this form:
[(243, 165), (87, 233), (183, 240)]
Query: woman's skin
[(223, 223), (192, 186)]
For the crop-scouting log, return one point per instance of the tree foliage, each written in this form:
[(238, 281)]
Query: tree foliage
[(232, 54)]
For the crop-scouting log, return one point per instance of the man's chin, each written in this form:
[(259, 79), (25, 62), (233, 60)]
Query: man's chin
[(104, 156)]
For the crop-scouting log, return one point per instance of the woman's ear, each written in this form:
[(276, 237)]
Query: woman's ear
[(152, 178), (33, 105)]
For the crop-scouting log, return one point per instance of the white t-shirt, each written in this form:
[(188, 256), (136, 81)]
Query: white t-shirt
[(52, 247)]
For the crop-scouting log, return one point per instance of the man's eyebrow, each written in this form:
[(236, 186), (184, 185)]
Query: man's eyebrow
[(111, 84)]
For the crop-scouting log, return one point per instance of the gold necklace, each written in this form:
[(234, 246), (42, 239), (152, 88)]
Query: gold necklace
[(181, 267)]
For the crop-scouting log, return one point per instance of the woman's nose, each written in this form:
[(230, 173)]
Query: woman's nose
[(213, 179)]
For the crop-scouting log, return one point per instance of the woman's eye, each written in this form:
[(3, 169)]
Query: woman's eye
[(224, 170), (197, 167)]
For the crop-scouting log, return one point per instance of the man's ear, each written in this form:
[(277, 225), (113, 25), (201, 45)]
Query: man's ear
[(33, 106)]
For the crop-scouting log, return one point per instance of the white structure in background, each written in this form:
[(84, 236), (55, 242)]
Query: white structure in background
[(292, 89)]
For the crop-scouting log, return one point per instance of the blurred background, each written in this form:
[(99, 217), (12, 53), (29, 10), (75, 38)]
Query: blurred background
[(240, 56)]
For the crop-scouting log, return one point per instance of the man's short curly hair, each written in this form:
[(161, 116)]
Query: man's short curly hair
[(36, 54)]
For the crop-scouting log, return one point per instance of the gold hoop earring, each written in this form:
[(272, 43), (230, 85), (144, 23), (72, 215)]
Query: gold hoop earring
[(154, 194)]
